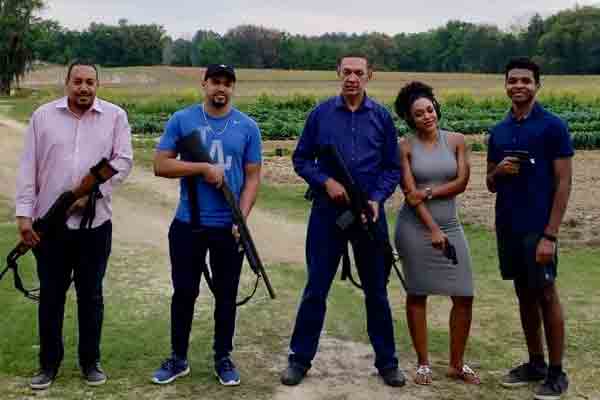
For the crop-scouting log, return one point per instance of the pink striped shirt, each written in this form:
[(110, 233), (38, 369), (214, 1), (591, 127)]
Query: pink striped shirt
[(60, 148)]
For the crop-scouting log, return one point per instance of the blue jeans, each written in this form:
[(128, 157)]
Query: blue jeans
[(324, 246), (188, 249), (84, 254)]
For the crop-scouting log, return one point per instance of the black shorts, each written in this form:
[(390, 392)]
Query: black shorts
[(516, 253)]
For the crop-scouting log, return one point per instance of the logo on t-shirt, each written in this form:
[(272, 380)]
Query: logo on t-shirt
[(215, 151)]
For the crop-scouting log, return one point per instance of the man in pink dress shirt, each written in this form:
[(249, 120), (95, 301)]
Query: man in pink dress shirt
[(65, 138)]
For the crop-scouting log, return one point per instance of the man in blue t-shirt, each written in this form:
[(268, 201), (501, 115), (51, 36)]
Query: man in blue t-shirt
[(233, 141), (530, 170)]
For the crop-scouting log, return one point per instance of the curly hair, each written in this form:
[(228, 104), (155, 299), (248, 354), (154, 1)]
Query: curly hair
[(410, 93)]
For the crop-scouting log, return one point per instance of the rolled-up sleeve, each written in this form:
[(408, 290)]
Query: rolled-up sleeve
[(391, 167), (26, 192), (305, 155), (122, 154)]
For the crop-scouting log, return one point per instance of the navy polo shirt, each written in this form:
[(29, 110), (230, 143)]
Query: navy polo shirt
[(366, 139), (524, 202)]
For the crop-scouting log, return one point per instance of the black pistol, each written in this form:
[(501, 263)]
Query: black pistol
[(522, 155)]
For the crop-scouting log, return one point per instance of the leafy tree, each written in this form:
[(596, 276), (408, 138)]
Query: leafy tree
[(16, 37)]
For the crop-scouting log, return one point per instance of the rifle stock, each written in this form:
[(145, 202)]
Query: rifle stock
[(192, 149)]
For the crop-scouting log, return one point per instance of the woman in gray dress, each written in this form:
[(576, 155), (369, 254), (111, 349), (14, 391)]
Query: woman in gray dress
[(435, 170)]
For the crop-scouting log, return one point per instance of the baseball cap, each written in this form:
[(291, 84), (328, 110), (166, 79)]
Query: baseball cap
[(213, 70)]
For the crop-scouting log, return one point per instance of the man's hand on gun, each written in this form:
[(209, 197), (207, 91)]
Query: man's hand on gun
[(214, 175), (508, 166), (26, 232), (78, 207), (336, 192)]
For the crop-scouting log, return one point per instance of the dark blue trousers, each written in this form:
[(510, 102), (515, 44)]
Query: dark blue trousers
[(188, 249), (324, 246), (84, 254)]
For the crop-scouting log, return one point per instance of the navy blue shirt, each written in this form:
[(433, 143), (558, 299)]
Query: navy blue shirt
[(366, 139), (524, 202)]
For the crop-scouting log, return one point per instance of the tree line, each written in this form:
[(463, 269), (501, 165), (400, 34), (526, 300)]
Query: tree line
[(567, 42)]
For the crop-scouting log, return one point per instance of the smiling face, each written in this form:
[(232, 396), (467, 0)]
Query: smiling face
[(521, 86), (81, 87), (355, 74), (424, 115), (218, 90)]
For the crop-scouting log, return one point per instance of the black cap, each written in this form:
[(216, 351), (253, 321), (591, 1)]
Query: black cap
[(213, 70)]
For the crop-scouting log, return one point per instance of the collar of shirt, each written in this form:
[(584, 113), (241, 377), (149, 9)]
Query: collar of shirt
[(64, 104), (366, 103), (534, 110)]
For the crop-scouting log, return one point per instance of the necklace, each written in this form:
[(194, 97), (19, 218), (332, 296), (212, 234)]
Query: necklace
[(210, 127)]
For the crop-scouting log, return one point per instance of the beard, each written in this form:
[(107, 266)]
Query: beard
[(218, 104)]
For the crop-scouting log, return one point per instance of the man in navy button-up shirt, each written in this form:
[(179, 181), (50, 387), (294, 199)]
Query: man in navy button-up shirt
[(363, 133), (532, 195)]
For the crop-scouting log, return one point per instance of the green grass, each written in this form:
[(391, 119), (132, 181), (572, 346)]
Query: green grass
[(135, 337)]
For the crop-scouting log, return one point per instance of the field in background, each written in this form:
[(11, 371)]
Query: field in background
[(280, 100), (252, 83)]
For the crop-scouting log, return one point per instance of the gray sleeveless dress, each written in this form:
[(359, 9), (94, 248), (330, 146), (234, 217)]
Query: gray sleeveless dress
[(427, 270)]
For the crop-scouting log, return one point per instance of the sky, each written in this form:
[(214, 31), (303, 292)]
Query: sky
[(182, 18)]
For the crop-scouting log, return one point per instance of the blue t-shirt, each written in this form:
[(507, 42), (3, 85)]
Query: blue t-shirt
[(232, 140), (524, 202)]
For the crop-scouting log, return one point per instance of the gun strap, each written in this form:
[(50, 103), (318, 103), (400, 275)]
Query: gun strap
[(11, 263), (89, 213), (391, 258), (190, 181), (347, 267), (192, 190)]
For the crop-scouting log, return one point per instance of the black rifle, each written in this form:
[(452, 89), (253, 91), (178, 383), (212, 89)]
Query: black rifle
[(192, 149), (358, 207), (56, 216)]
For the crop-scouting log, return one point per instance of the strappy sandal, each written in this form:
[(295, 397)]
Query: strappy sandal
[(467, 375), (423, 375)]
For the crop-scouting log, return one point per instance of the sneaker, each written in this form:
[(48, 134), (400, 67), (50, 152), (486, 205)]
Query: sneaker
[(393, 377), (93, 375), (524, 374), (171, 369), (43, 379), (226, 372), (293, 374), (552, 388)]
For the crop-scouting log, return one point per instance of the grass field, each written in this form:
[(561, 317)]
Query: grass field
[(152, 81), (135, 337)]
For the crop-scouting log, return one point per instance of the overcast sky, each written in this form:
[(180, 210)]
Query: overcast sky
[(182, 18)]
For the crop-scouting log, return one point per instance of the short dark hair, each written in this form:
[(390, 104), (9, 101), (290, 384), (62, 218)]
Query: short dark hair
[(523, 63), (85, 63), (354, 55), (410, 93)]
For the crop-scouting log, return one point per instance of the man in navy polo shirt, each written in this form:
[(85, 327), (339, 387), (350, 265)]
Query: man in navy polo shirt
[(233, 140), (529, 168), (365, 136)]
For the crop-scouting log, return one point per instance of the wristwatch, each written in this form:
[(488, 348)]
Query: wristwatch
[(549, 237), (428, 193)]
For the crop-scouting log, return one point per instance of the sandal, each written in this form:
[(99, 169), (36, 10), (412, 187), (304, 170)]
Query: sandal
[(467, 375), (423, 375)]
